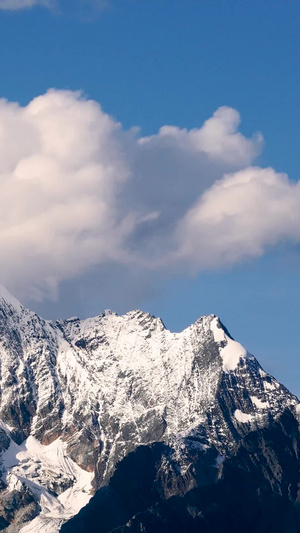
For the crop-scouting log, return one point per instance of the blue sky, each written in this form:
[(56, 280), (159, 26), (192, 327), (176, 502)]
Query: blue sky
[(152, 63)]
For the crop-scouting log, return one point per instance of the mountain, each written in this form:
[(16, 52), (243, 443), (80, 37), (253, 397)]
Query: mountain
[(170, 431)]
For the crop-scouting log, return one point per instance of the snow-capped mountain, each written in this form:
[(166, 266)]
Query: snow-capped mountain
[(77, 397)]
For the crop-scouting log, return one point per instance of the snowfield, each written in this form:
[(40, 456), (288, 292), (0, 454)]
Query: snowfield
[(38, 466)]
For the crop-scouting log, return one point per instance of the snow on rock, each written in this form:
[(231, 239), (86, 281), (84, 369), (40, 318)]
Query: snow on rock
[(220, 459), (44, 470), (230, 350), (13, 482), (242, 417), (41, 524), (7, 298), (269, 386), (259, 404)]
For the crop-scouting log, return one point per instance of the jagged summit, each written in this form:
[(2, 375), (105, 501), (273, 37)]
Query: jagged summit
[(77, 396), (139, 315)]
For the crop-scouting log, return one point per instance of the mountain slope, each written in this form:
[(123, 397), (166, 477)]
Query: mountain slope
[(76, 397), (253, 490)]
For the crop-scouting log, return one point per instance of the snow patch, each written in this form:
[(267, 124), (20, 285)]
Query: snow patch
[(269, 386), (242, 417), (262, 373), (230, 350), (258, 403), (6, 427), (220, 459)]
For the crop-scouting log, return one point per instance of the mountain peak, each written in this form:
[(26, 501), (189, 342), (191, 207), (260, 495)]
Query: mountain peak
[(90, 392), (9, 299), (231, 351)]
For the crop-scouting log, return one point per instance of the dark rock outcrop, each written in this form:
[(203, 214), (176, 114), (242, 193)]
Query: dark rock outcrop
[(254, 490)]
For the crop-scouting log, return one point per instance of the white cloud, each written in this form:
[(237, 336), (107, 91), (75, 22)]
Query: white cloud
[(13, 5), (60, 170), (85, 8), (78, 193), (240, 216), (218, 138)]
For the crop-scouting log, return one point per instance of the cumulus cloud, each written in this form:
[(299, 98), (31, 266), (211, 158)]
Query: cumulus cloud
[(80, 194), (240, 216), (61, 167), (218, 138), (13, 5)]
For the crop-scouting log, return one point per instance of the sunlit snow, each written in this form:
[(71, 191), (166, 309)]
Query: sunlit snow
[(242, 417), (230, 350), (259, 404), (36, 465)]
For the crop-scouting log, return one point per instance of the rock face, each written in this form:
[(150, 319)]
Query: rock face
[(82, 403), (253, 490)]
